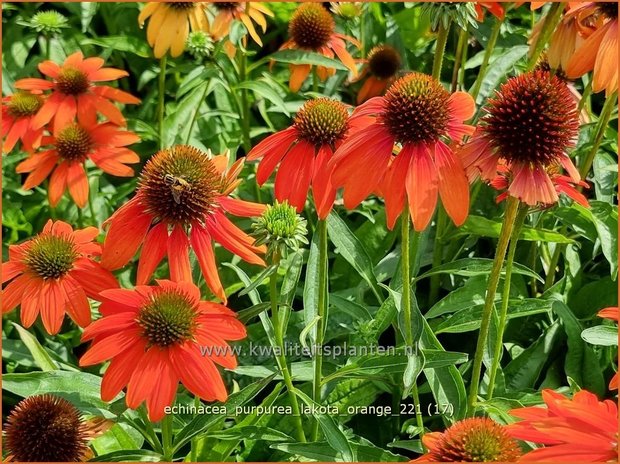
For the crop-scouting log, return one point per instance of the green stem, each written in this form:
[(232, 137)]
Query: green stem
[(496, 271), (437, 254), (553, 264), (166, 437), (280, 354), (321, 323), (48, 47), (585, 96), (362, 34), (91, 207), (601, 127), (195, 440), (315, 80), (245, 105), (551, 21), (440, 47), (488, 52), (405, 259), (162, 97), (458, 58), (503, 316)]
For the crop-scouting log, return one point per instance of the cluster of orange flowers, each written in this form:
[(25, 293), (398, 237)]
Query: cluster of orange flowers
[(408, 142)]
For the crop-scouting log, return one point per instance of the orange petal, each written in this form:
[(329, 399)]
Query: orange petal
[(178, 255), (453, 185), (422, 186)]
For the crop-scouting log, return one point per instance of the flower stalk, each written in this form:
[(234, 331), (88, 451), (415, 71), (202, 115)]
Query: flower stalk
[(551, 21), (280, 353), (502, 246), (166, 436), (503, 316), (486, 58), (405, 260), (321, 321), (161, 103), (440, 47), (601, 127)]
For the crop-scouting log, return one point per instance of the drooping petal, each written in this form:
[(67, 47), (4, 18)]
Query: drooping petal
[(241, 208), (77, 181), (12, 293), (295, 174), (203, 247), (153, 251), (53, 302), (393, 187), (422, 186), (453, 184), (77, 302), (93, 278), (128, 227), (178, 255), (119, 371), (299, 73)]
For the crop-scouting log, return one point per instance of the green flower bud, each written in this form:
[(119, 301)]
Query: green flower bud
[(280, 228), (199, 44), (47, 22)]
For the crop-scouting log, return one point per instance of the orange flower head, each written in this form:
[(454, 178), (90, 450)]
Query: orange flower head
[(530, 125), (303, 152), (599, 51), (401, 148), (179, 185), (475, 439), (246, 12), (581, 429), (312, 28), (18, 112), (66, 153), (47, 428), (181, 201), (379, 71), (170, 24), (322, 121), (75, 92), (54, 273), (156, 336)]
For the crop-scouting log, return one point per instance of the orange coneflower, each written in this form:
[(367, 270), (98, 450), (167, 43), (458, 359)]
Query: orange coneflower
[(528, 128), (613, 314), (74, 92), (170, 24), (313, 28), (47, 428), (580, 429), (599, 51), (416, 118), (497, 8), (246, 12), (477, 439), (18, 111), (104, 144), (157, 336), (54, 273), (379, 70), (304, 149), (181, 201)]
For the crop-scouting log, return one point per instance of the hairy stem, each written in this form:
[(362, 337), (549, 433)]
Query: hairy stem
[(486, 58), (281, 354), (440, 47), (503, 316), (321, 323), (162, 97), (496, 271), (601, 127)]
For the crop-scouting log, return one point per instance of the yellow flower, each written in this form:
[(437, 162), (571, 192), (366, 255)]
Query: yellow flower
[(170, 23), (246, 12)]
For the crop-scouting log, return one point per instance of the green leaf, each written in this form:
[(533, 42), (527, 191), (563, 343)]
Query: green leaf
[(202, 423), (581, 364), (602, 335), (522, 372), (129, 456), (469, 319), (311, 286), (250, 432), (250, 313), (121, 43), (259, 279), (483, 227), (605, 218), (306, 57), (291, 278), (605, 177), (334, 435), (265, 90), (351, 249), (79, 388), (499, 69), (476, 266), (356, 310), (323, 452), (41, 358)]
